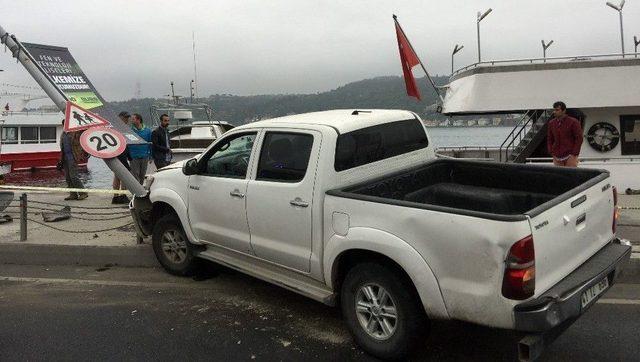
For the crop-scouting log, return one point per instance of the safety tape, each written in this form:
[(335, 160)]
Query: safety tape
[(64, 189)]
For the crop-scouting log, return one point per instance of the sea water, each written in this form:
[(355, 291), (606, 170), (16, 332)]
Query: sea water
[(98, 175)]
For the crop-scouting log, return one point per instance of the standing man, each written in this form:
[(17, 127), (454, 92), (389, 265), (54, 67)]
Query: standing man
[(124, 158), (161, 148), (564, 137), (140, 153), (71, 153)]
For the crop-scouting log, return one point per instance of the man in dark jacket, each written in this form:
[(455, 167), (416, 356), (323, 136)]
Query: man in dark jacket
[(160, 146), (72, 154), (564, 137)]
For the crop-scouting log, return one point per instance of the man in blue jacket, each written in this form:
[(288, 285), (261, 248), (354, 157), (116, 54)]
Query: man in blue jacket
[(140, 154)]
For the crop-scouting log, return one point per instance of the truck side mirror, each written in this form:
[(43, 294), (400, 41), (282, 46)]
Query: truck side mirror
[(190, 167)]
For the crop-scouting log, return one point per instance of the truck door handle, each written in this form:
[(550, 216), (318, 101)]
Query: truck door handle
[(298, 202), (236, 193)]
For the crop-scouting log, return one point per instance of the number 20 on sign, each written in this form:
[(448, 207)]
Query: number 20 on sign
[(103, 142)]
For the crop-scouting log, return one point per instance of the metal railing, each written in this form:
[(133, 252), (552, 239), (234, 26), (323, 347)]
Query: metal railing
[(468, 150), (25, 209), (516, 133), (631, 158), (30, 113), (546, 60)]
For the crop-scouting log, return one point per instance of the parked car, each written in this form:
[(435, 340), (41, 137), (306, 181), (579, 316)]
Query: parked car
[(351, 207)]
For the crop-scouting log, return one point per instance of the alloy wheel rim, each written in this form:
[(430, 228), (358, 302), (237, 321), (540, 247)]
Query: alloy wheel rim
[(376, 311), (174, 246)]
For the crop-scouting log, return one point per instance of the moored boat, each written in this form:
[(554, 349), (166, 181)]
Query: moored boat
[(601, 91), (30, 139), (192, 129)]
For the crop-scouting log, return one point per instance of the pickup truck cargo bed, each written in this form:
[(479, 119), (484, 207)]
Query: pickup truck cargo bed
[(499, 189)]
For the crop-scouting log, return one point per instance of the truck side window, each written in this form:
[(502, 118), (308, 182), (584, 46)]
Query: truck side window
[(284, 156), (230, 158), (376, 143)]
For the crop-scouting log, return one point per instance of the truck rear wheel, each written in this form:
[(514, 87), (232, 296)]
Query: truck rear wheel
[(172, 247), (382, 310)]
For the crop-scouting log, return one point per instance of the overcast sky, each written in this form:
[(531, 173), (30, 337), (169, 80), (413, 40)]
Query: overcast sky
[(297, 46)]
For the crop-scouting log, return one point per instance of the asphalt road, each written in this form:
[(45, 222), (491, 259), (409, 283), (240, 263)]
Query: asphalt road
[(80, 313)]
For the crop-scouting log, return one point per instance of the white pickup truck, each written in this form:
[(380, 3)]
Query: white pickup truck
[(351, 207)]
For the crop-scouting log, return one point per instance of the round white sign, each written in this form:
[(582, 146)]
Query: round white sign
[(103, 142)]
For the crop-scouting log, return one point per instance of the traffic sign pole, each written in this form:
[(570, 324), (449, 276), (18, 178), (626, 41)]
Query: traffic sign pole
[(58, 97)]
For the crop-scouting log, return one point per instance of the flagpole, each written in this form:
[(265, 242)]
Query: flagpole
[(395, 19)]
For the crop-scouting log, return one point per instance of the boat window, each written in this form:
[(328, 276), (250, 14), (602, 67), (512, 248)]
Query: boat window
[(28, 134), (9, 135), (284, 156), (230, 157), (630, 135), (47, 134), (376, 143)]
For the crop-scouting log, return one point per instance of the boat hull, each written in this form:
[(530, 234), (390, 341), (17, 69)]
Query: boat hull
[(32, 160)]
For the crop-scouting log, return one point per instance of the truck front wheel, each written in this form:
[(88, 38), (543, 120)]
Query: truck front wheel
[(172, 248), (382, 310)]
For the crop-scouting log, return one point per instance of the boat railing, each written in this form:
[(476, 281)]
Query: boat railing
[(546, 60), (439, 155), (440, 152), (466, 148), (516, 134), (633, 158), (466, 158), (29, 113)]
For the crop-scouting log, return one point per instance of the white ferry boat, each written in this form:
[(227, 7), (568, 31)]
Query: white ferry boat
[(29, 139), (601, 90)]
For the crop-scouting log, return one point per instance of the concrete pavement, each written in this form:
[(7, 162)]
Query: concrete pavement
[(98, 233)]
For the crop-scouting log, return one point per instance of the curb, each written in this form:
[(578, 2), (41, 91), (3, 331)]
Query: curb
[(85, 255), (139, 256)]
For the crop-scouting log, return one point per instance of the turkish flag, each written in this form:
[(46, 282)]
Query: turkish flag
[(409, 59)]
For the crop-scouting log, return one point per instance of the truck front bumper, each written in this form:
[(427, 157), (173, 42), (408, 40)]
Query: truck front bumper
[(563, 302), (140, 208)]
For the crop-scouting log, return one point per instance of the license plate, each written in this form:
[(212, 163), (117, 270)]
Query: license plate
[(591, 293)]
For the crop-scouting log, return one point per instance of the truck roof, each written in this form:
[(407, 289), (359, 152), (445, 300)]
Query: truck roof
[(343, 120)]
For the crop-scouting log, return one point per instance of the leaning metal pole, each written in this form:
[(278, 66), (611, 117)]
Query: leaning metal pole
[(60, 100)]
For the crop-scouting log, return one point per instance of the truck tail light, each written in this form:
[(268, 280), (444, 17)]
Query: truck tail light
[(520, 270), (616, 211)]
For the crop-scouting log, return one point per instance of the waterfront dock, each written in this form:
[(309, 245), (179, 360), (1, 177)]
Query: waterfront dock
[(97, 233)]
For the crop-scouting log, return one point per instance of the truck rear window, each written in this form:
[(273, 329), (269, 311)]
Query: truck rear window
[(376, 143)]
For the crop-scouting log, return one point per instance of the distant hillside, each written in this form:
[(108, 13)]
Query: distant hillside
[(380, 92)]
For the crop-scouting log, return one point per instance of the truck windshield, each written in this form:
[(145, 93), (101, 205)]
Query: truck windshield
[(376, 143)]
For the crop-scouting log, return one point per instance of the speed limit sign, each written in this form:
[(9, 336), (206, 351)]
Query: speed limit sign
[(103, 142)]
